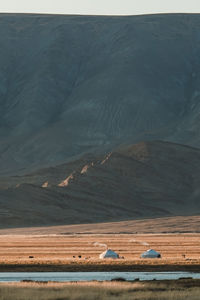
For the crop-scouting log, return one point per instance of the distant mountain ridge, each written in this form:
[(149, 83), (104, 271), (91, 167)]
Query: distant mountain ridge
[(76, 84)]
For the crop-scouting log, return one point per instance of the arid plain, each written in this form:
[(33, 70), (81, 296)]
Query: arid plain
[(72, 248)]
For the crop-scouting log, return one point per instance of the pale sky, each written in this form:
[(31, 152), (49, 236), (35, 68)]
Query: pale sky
[(100, 7)]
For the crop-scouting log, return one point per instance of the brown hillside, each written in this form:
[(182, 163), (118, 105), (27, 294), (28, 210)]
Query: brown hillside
[(152, 179)]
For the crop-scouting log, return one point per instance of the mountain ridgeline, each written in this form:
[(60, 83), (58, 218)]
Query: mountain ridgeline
[(100, 118)]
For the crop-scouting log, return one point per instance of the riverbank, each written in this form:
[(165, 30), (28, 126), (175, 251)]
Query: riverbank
[(183, 289), (110, 266)]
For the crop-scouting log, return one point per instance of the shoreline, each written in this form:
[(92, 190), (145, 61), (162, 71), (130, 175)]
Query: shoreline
[(115, 283)]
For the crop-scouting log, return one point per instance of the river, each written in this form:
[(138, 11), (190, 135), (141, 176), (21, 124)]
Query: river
[(89, 276)]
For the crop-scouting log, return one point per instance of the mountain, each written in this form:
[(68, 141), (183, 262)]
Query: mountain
[(72, 85), (100, 118), (146, 180)]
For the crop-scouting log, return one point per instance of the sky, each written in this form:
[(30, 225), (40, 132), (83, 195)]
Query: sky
[(100, 7)]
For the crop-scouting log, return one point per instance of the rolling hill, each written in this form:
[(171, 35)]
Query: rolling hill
[(146, 180)]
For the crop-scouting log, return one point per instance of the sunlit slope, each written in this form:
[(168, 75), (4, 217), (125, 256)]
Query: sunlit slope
[(146, 180), (73, 84)]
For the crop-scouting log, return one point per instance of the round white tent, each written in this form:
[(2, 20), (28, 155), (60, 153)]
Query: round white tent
[(150, 254), (108, 254)]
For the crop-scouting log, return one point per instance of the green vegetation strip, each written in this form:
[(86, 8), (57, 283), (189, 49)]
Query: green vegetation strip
[(87, 267)]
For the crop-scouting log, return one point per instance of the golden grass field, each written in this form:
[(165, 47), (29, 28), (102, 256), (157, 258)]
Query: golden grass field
[(58, 249), (60, 252), (154, 290)]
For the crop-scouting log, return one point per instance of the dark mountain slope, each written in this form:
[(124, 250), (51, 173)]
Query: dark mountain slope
[(73, 84), (132, 182)]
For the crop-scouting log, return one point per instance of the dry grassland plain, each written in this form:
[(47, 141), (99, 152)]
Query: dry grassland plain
[(77, 252), (57, 248), (71, 248), (157, 290)]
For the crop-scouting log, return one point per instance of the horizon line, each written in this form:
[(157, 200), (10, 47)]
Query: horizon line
[(98, 15)]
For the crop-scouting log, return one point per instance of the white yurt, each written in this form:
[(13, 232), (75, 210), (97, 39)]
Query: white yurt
[(108, 254), (150, 254)]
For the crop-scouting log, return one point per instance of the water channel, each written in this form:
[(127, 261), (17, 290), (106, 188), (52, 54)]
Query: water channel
[(89, 276)]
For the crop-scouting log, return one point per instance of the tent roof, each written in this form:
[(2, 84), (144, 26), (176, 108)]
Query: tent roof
[(109, 253), (150, 253)]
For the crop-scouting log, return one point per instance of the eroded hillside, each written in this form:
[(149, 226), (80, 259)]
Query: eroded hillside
[(76, 84)]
